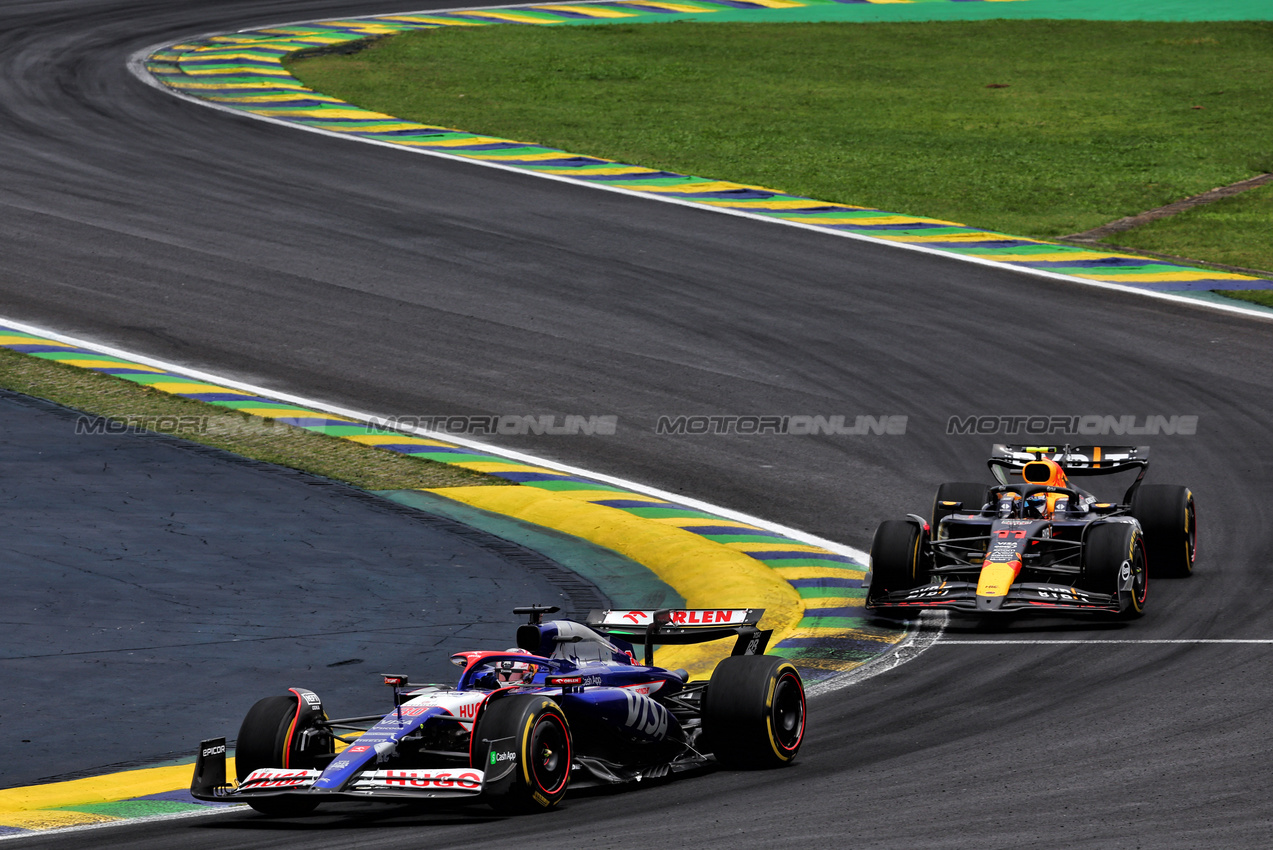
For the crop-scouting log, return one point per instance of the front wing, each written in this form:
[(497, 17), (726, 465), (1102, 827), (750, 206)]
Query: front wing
[(1023, 596), (210, 783)]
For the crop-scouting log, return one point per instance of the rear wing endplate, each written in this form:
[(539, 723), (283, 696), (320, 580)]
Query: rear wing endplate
[(678, 626)]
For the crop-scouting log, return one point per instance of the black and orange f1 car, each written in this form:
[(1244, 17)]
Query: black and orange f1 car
[(1035, 541)]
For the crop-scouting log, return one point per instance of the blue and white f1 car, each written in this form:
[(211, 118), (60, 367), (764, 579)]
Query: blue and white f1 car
[(570, 704)]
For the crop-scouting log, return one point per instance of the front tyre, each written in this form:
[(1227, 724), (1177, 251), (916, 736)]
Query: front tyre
[(267, 739), (1114, 562), (1166, 515), (530, 733), (754, 712), (896, 558)]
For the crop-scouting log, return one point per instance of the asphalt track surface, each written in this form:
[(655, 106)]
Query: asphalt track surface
[(144, 570), (402, 284)]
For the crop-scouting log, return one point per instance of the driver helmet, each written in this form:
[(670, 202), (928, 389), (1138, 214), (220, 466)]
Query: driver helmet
[(1036, 506), (510, 672)]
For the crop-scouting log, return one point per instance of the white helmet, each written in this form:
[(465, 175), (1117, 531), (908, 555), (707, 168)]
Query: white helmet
[(510, 672)]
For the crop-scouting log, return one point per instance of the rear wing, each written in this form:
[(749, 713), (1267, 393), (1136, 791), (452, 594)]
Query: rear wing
[(1077, 461), (678, 626)]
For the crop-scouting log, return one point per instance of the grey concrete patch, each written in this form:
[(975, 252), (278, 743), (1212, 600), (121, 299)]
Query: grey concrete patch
[(1131, 222)]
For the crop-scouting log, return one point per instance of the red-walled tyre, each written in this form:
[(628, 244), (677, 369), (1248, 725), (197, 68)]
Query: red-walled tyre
[(264, 741), (754, 712), (536, 739)]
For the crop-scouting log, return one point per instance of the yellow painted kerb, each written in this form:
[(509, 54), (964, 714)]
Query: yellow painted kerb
[(14, 802), (707, 574)]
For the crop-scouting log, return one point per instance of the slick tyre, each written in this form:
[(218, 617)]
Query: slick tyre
[(1112, 552), (896, 558), (754, 712), (531, 734), (972, 496), (1166, 516), (267, 739)]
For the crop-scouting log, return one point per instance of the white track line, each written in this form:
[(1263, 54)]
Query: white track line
[(137, 65)]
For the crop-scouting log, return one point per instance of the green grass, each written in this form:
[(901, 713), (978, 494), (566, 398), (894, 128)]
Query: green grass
[(1036, 128), (1262, 297), (1236, 231), (249, 436)]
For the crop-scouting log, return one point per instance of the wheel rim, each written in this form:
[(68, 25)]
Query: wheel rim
[(549, 754), (788, 712), (1140, 576), (1191, 533)]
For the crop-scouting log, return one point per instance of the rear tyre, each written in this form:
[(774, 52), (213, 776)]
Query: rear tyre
[(896, 558), (1166, 515), (536, 733), (1110, 551), (754, 712), (972, 496), (264, 741)]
